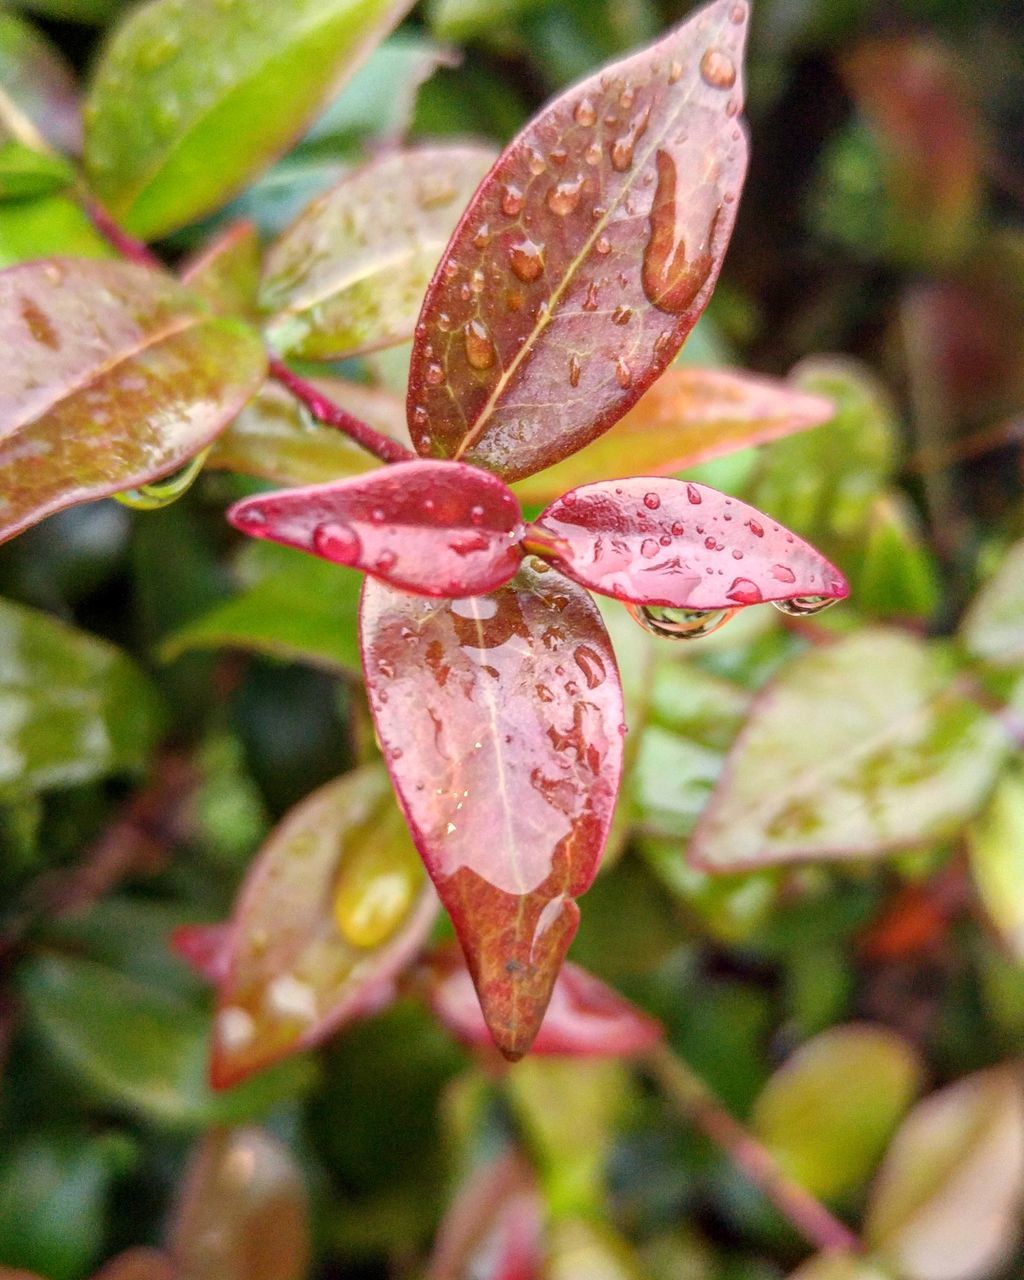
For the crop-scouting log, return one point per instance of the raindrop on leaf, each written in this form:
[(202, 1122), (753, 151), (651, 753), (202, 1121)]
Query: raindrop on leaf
[(679, 624)]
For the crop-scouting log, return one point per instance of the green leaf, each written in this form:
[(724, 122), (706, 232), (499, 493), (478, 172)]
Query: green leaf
[(947, 1201), (139, 1047), (275, 438), (349, 275), (305, 610), (995, 843), (46, 226), (857, 748), (462, 20), (994, 626), (25, 173), (91, 12), (829, 1111), (188, 102), (587, 1249), (897, 575), (226, 271), (834, 1266), (118, 376), (73, 708), (39, 82)]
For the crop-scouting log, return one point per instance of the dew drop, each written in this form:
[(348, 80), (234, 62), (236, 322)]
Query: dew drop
[(511, 201), (738, 13), (678, 530), (591, 664), (649, 548), (536, 162), (476, 515), (651, 501), (623, 374), (479, 347), (804, 606), (627, 97), (717, 69), (483, 236), (590, 301), (623, 148), (710, 543), (603, 246), (434, 374), (585, 113), (544, 693), (622, 315), (755, 529), (161, 493), (693, 494), (563, 198), (671, 278), (743, 591), (527, 260), (679, 624), (336, 541), (675, 72), (782, 573), (514, 300), (593, 154), (374, 891), (574, 372)]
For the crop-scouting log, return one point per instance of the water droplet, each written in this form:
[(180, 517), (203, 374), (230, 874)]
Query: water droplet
[(378, 515), (622, 315), (451, 269), (678, 530), (385, 562), (479, 347), (511, 201), (527, 260), (159, 51), (804, 606), (743, 591), (574, 372), (755, 528), (651, 501), (559, 156), (590, 301), (782, 573), (717, 69), (477, 281), (483, 236), (710, 543), (336, 541), (514, 300), (376, 886), (161, 493), (603, 246), (627, 97), (434, 374), (476, 514), (672, 278), (593, 154), (585, 113), (544, 693), (623, 147), (563, 198), (649, 548), (623, 374), (693, 494), (679, 624), (738, 13), (536, 162), (675, 72)]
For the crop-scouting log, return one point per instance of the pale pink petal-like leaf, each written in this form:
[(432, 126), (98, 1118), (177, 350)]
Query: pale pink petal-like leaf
[(493, 1229)]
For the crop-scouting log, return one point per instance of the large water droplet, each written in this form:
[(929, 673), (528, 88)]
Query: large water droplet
[(374, 891), (511, 201), (563, 198), (527, 260), (624, 146), (479, 347), (585, 113), (804, 606), (161, 493), (591, 664), (679, 624), (717, 69), (671, 278), (336, 541), (743, 591), (651, 501), (536, 162)]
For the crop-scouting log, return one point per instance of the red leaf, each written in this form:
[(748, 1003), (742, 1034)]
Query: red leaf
[(585, 1018), (435, 528), (654, 541), (205, 948), (333, 909), (586, 256), (493, 1229), (501, 721)]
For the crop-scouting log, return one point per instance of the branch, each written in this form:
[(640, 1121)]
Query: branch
[(127, 246), (695, 1101), (326, 411)]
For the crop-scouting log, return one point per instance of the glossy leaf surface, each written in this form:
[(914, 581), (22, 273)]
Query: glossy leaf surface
[(120, 377), (293, 608), (39, 82), (500, 718), (994, 626), (243, 1213), (349, 274), (275, 438), (45, 226), (25, 172), (995, 844), (227, 270), (334, 907), (830, 1109), (73, 707), (855, 749), (947, 1201), (585, 1018), (436, 528), (655, 541), (689, 416), (187, 102), (586, 256)]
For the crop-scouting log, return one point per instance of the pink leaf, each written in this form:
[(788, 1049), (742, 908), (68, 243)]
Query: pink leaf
[(659, 542), (434, 528), (501, 719), (205, 948), (586, 255), (585, 1018), (493, 1229)]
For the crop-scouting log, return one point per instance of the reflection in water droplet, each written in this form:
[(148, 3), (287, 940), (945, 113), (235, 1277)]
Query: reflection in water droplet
[(161, 493), (717, 69), (375, 888), (527, 260), (804, 606), (479, 347), (336, 541), (679, 624), (563, 198), (671, 278), (649, 548), (585, 113), (477, 281)]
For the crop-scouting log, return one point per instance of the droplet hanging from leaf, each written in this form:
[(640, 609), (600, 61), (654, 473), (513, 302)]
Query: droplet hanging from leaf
[(161, 493)]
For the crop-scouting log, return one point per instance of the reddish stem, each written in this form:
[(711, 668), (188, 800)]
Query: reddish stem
[(127, 246), (696, 1102), (326, 411)]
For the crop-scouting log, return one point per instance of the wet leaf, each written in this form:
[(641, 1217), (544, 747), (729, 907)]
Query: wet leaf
[(334, 907), (897, 575), (500, 719), (857, 748), (25, 173), (586, 256), (492, 1229), (435, 528), (139, 1047), (45, 226), (226, 272), (830, 1109), (834, 1266), (243, 1213), (689, 416), (38, 80), (584, 1019), (275, 438), (121, 376), (995, 843), (301, 610), (947, 1201), (138, 1264), (189, 102), (73, 707), (655, 541), (349, 274), (993, 628)]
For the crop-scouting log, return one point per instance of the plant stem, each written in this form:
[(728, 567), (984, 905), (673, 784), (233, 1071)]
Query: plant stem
[(695, 1101), (127, 246), (326, 411)]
